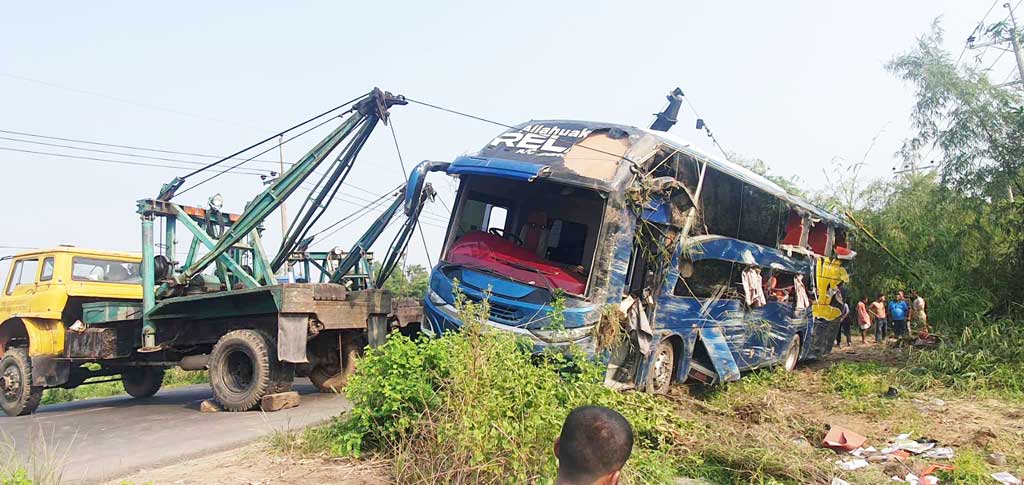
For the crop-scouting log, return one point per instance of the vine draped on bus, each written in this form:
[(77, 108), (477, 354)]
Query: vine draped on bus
[(669, 264)]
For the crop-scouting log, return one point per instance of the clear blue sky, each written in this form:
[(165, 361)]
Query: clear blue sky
[(795, 85)]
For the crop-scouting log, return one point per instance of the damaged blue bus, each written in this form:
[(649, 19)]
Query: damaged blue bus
[(672, 265)]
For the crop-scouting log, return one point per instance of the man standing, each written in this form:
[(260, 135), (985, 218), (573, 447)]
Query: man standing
[(845, 320), (593, 447), (919, 312), (898, 312), (863, 319), (877, 310)]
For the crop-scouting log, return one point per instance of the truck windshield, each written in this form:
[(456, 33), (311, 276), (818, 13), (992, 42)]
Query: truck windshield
[(541, 233), (105, 270)]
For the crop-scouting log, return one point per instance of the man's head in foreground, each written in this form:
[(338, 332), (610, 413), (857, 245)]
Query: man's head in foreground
[(593, 447)]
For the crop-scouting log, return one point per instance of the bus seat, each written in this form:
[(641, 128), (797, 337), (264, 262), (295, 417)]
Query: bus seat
[(534, 233)]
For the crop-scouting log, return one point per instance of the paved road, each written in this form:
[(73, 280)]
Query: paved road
[(102, 439)]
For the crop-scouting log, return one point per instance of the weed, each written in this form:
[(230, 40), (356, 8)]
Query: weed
[(476, 407)]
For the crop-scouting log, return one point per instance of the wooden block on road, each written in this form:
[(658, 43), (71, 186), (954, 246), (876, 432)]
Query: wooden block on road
[(210, 406), (279, 401)]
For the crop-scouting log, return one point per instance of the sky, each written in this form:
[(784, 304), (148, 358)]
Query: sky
[(796, 84)]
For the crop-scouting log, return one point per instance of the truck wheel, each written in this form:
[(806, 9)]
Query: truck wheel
[(659, 378), (244, 368), (792, 354), (18, 396), (141, 382), (332, 376)]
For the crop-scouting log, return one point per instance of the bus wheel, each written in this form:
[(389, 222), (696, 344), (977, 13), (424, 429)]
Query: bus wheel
[(244, 368), (18, 396), (142, 382), (792, 354), (659, 378)]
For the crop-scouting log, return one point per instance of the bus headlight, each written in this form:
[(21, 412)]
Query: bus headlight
[(560, 336), (435, 298)]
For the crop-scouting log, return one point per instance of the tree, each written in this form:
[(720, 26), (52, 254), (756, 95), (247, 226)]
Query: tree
[(976, 125), (410, 283)]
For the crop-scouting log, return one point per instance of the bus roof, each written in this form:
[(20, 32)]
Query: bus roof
[(548, 148), (745, 174)]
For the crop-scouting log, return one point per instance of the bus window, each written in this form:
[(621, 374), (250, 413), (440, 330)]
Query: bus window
[(481, 216), (566, 242), (709, 278)]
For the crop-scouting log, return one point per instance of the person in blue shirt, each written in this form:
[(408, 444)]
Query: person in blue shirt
[(899, 310)]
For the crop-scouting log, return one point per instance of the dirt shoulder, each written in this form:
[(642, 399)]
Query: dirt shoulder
[(257, 464), (766, 428)]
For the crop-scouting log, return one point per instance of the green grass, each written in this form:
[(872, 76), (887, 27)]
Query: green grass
[(173, 378)]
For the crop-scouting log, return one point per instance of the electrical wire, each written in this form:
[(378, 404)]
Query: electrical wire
[(156, 150), (106, 160), (111, 152), (505, 125), (239, 164), (276, 135), (121, 100), (405, 174), (130, 147)]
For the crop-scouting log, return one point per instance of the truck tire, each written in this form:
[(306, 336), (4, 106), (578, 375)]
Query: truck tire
[(18, 396), (332, 376), (142, 382), (244, 368), (659, 378)]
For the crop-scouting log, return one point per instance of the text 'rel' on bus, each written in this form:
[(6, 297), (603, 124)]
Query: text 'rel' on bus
[(670, 265)]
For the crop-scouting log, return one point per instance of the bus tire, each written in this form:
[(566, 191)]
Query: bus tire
[(142, 382), (792, 354), (659, 378), (18, 396), (244, 368)]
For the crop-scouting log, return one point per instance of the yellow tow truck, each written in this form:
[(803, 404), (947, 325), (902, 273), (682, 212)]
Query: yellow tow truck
[(45, 294)]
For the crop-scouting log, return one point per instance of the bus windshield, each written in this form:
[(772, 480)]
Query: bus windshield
[(541, 233)]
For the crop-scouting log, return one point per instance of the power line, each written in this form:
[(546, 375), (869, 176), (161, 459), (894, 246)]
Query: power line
[(105, 160), (405, 173), (156, 150), (967, 44), (130, 147), (111, 152), (121, 100), (276, 135), (506, 125)]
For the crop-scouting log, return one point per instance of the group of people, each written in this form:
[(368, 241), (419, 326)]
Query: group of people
[(893, 316)]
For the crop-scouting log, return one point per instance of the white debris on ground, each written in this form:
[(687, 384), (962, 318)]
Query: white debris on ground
[(897, 451)]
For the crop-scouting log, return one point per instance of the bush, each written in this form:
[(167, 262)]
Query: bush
[(985, 357), (479, 407)]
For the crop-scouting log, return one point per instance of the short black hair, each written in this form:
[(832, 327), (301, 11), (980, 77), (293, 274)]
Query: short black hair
[(595, 441)]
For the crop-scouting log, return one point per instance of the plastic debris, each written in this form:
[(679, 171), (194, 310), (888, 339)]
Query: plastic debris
[(839, 481), (1006, 478), (852, 464), (912, 446), (842, 439), (939, 453)]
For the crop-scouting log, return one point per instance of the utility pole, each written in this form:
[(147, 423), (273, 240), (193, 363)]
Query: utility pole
[(1015, 43), (284, 212)]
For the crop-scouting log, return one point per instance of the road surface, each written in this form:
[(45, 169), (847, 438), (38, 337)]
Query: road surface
[(103, 439)]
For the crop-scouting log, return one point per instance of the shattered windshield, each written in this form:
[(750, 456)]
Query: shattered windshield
[(541, 233)]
